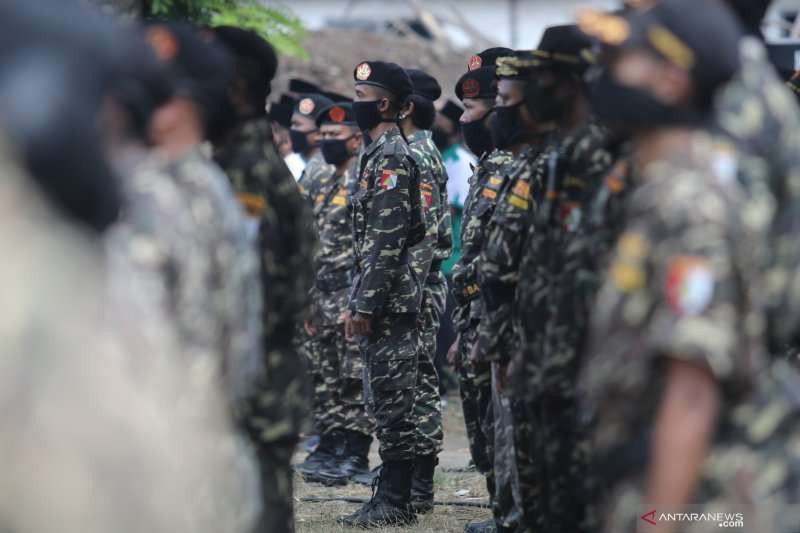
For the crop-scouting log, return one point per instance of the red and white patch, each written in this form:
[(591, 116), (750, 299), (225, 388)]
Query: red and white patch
[(475, 62), (690, 285), (427, 197), (388, 180), (471, 88)]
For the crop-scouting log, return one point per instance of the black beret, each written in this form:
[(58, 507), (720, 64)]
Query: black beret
[(389, 76), (281, 113), (247, 44), (707, 46), (288, 100), (311, 105), (424, 84), (338, 113), (488, 58), (478, 83), (296, 85), (452, 111), (566, 46)]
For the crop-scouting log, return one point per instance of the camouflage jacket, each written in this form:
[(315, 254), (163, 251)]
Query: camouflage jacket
[(485, 187), (427, 256), (498, 270), (761, 115), (335, 259), (314, 174), (382, 226), (557, 274), (267, 189), (680, 285)]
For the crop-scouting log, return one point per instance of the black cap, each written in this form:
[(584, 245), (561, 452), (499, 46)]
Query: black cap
[(566, 47), (478, 83), (338, 113), (424, 84), (452, 111), (281, 113), (311, 105), (705, 46), (488, 58), (247, 44), (389, 76), (300, 86)]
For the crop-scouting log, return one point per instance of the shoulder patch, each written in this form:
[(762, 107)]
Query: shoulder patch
[(627, 270), (690, 285), (388, 180), (522, 188)]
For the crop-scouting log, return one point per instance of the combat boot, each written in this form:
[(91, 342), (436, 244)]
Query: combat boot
[(354, 461), (391, 503), (422, 483), (487, 526), (330, 445), (369, 478)]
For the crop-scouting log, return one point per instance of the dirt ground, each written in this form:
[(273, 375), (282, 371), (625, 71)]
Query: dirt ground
[(453, 483)]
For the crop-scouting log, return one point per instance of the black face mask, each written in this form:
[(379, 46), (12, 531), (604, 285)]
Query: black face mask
[(300, 142), (367, 115), (335, 151), (477, 136), (506, 126), (441, 139), (626, 109)]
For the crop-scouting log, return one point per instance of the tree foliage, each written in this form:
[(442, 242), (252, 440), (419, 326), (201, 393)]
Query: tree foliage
[(280, 27)]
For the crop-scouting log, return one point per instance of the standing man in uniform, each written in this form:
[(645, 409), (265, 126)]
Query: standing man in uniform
[(386, 296), (339, 409), (477, 90), (244, 147), (515, 128), (306, 142), (427, 258)]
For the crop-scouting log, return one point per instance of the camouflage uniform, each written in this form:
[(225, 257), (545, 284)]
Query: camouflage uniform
[(387, 289), (761, 115), (485, 188), (188, 239), (551, 313), (426, 259), (314, 174), (338, 370), (286, 244), (680, 284), (498, 276)]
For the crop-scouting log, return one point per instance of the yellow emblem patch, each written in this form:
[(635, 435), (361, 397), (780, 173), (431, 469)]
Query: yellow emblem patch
[(490, 194), (523, 189), (627, 271), (495, 180), (516, 201), (339, 200)]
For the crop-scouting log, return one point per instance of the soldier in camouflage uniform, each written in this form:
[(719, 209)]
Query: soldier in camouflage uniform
[(286, 241), (306, 142), (516, 129), (338, 383), (386, 296), (477, 90), (426, 259), (553, 295), (678, 309)]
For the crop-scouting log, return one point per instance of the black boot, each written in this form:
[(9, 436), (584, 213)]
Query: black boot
[(354, 461), (422, 484), (369, 478), (330, 445), (391, 503), (487, 526)]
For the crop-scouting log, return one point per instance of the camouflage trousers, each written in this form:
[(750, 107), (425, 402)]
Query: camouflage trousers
[(390, 375), (427, 400), (338, 374), (274, 421), (475, 386), (506, 505), (551, 455)]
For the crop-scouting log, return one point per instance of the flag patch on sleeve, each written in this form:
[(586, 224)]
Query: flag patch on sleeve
[(388, 180)]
